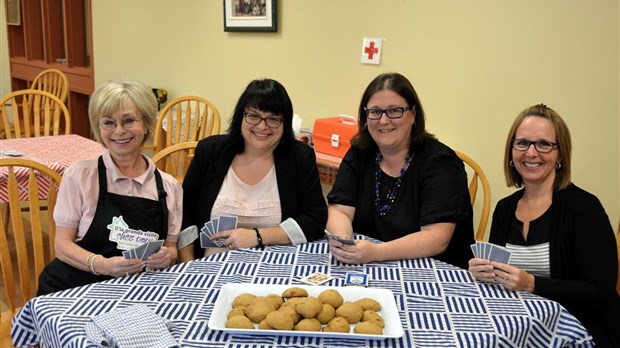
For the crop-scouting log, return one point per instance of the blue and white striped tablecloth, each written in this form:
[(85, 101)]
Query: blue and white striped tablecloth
[(440, 305)]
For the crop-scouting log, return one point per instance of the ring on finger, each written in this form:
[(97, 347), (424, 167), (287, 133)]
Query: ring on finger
[(127, 274), (230, 246), (506, 276)]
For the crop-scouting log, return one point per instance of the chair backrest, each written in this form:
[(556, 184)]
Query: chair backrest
[(478, 175), (185, 119), (24, 247), (32, 113), (52, 81), (175, 159)]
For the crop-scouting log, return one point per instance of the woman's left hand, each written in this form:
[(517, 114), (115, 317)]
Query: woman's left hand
[(512, 278), (362, 252), (160, 259), (238, 238)]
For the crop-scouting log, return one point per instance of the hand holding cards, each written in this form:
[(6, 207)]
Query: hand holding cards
[(338, 238), (222, 223), (144, 251), (491, 252)]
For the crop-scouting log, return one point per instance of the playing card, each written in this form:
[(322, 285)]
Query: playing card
[(139, 251), (316, 278), (227, 223), (473, 250), (151, 248), (340, 239), (500, 254), (210, 230), (205, 242), (127, 254)]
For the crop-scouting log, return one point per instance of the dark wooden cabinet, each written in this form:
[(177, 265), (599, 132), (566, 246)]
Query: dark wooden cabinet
[(55, 34)]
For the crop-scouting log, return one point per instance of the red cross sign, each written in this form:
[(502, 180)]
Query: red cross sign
[(371, 50)]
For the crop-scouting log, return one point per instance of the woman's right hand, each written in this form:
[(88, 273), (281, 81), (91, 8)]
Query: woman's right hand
[(117, 266), (482, 270)]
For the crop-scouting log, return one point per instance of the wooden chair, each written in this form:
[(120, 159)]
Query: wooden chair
[(52, 81), (33, 113), (185, 119), (175, 159), (478, 175), (23, 253)]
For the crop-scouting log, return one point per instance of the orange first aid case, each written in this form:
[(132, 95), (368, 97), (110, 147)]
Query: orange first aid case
[(333, 135)]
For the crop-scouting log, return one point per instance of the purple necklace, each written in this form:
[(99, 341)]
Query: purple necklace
[(393, 192)]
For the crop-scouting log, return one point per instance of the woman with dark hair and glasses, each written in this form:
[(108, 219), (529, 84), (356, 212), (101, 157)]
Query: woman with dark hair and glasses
[(259, 173), (399, 184), (115, 202), (562, 244)]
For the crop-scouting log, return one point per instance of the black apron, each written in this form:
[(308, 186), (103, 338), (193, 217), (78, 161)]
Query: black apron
[(138, 213)]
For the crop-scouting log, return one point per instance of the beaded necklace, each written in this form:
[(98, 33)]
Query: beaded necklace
[(393, 192)]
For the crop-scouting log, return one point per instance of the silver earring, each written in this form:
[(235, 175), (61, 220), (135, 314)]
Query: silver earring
[(511, 163), (558, 166)]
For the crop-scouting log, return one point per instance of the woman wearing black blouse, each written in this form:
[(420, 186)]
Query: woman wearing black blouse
[(399, 184), (562, 243)]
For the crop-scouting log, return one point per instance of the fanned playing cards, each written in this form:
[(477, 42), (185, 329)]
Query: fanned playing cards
[(221, 223), (491, 252)]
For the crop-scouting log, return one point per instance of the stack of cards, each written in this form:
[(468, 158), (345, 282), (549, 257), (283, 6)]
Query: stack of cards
[(491, 252), (316, 278), (222, 223), (338, 238), (144, 251)]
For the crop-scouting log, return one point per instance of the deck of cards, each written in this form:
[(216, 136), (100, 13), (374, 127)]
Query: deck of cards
[(222, 223), (491, 252), (356, 278), (316, 278), (338, 238), (144, 251)]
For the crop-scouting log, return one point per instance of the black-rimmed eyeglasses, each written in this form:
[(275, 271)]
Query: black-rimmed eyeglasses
[(127, 123), (543, 146), (270, 121), (396, 112)]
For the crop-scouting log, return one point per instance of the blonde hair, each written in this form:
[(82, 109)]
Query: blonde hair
[(563, 139), (113, 95)]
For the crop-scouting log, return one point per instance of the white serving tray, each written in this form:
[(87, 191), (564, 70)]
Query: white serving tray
[(223, 305)]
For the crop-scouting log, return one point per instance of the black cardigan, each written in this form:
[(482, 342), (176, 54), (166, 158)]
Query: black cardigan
[(301, 195), (583, 259)]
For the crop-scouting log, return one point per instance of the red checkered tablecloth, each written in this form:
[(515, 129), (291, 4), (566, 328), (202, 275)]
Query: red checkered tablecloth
[(57, 152)]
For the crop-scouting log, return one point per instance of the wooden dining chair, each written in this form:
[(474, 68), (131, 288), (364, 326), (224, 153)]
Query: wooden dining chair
[(32, 113), (27, 241), (185, 119), (478, 175), (52, 81), (175, 159)]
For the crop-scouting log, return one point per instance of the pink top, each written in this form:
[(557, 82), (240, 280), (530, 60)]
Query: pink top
[(79, 191)]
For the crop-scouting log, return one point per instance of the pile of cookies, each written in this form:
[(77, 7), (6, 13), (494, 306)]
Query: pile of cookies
[(295, 310)]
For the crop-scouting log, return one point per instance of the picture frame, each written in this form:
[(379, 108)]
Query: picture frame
[(13, 12), (250, 15)]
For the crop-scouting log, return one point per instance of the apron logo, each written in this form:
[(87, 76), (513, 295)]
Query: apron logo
[(128, 238)]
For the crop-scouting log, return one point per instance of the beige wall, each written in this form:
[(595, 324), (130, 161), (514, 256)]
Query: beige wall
[(475, 64)]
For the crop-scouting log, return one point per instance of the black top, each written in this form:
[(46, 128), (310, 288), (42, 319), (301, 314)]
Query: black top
[(583, 259), (433, 189), (299, 186)]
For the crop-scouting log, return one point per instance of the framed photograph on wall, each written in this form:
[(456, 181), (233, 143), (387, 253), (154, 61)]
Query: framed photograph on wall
[(250, 15), (13, 13)]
